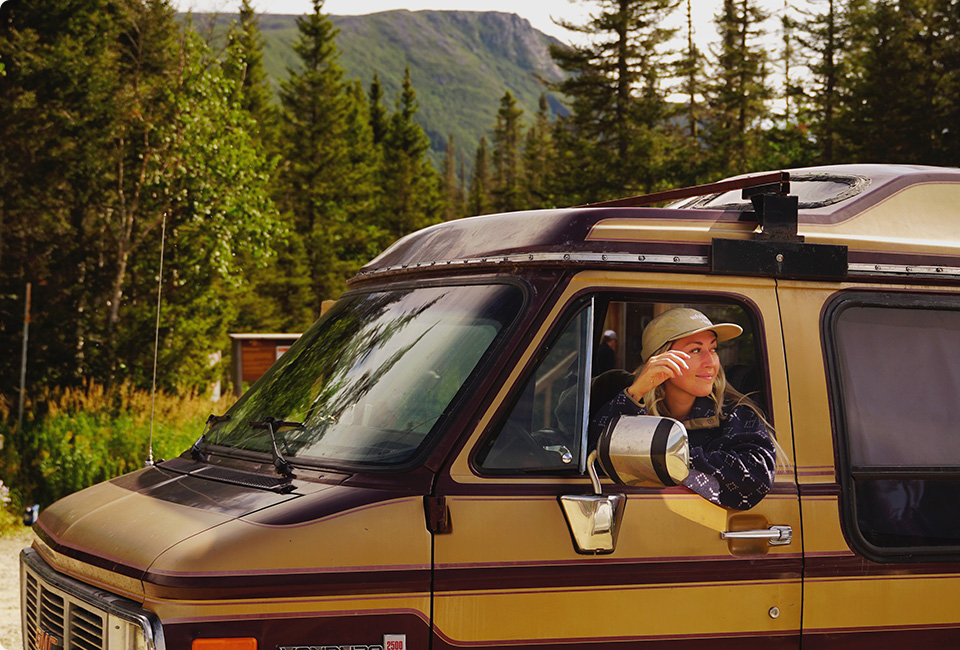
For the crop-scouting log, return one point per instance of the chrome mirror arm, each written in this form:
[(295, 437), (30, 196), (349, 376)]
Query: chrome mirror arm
[(592, 471)]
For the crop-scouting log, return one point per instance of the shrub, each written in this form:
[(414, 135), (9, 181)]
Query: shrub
[(73, 438)]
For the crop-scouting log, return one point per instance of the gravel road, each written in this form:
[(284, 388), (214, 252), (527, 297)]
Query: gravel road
[(10, 589)]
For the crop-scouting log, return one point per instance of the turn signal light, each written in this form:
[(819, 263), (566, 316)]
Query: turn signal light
[(245, 643)]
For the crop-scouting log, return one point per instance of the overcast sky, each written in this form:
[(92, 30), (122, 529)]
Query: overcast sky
[(540, 13)]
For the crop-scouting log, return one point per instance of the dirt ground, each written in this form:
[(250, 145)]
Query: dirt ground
[(10, 589)]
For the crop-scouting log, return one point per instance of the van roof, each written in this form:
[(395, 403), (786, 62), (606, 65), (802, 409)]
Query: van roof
[(890, 219)]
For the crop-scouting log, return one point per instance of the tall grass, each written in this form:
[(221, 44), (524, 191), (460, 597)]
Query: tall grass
[(75, 437)]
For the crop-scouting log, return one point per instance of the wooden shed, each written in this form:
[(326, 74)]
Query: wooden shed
[(252, 354)]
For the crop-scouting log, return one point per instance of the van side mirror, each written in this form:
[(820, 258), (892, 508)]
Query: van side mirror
[(634, 450), (644, 450)]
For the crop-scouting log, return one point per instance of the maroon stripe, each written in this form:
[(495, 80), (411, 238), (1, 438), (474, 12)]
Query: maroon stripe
[(86, 557), (858, 566), (786, 641), (226, 587), (902, 259), (524, 488), (589, 574), (819, 489), (939, 637), (348, 629)]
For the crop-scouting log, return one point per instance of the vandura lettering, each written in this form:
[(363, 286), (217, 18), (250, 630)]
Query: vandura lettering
[(330, 647)]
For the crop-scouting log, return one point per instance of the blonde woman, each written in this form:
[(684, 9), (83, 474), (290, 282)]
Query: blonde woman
[(732, 454)]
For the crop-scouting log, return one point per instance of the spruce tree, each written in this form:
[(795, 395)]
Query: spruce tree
[(452, 186), (140, 129), (244, 64), (786, 140), (378, 113), (478, 200), (537, 158), (686, 163), (737, 99), (507, 188), (823, 38), (410, 187), (617, 100), (318, 183), (896, 108), (690, 71)]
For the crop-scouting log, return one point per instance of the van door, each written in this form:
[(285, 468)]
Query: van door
[(508, 572), (876, 388)]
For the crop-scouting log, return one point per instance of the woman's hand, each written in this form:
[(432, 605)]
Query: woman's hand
[(658, 369)]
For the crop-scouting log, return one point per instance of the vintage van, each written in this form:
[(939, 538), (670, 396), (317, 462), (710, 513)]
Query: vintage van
[(415, 472)]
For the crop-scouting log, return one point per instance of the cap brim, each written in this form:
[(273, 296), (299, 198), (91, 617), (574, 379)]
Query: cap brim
[(724, 332)]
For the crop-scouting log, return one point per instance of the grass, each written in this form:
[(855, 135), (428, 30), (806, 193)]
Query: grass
[(75, 437)]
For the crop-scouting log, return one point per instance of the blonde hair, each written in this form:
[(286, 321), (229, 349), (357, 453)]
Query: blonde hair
[(722, 393)]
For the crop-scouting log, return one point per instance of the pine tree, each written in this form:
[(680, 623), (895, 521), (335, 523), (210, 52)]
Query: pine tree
[(787, 141), (378, 113), (320, 188), (824, 39), (478, 201), (686, 163), (139, 129), (616, 99), (737, 100), (690, 71), (507, 190), (411, 190), (244, 64), (895, 108), (452, 187), (537, 158), (949, 87)]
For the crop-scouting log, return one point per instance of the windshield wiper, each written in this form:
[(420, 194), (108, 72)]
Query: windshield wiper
[(279, 462), (212, 421)]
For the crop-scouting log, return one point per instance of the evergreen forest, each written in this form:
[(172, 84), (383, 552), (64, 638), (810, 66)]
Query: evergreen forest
[(136, 157)]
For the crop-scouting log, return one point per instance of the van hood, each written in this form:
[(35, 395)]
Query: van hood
[(112, 533)]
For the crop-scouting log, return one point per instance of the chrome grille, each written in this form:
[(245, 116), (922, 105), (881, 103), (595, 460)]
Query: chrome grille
[(86, 629), (30, 599), (64, 622), (59, 613)]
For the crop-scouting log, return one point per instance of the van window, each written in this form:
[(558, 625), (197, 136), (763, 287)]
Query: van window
[(543, 430), (370, 382), (546, 421), (898, 382)]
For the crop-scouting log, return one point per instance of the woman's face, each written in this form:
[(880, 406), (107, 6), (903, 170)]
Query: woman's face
[(703, 364)]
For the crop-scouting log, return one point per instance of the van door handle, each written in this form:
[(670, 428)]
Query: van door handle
[(777, 535)]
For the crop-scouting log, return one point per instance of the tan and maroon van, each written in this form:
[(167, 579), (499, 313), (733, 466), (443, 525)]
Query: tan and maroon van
[(415, 472)]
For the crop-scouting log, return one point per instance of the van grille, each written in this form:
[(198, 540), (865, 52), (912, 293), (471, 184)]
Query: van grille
[(60, 613), (55, 620)]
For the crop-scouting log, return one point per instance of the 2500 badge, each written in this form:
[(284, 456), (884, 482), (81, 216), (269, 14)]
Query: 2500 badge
[(390, 642)]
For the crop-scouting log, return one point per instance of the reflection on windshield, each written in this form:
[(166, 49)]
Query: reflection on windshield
[(371, 380)]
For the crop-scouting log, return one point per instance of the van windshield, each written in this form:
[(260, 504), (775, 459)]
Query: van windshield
[(373, 378)]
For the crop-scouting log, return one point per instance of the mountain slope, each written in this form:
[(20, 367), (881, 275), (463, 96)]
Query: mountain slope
[(461, 63)]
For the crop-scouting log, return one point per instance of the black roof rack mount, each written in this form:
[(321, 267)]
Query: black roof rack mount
[(778, 249)]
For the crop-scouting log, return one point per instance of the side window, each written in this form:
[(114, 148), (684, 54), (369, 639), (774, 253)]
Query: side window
[(543, 430), (896, 388)]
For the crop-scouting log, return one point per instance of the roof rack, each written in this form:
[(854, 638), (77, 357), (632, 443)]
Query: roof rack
[(769, 183)]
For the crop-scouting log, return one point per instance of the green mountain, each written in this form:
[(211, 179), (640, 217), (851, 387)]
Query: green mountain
[(461, 63)]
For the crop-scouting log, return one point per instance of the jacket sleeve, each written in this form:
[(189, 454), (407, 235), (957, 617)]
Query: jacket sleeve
[(622, 404), (735, 469)]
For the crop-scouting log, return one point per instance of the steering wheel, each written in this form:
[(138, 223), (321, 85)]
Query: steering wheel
[(517, 448)]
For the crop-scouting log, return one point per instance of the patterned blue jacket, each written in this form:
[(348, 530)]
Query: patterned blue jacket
[(732, 457)]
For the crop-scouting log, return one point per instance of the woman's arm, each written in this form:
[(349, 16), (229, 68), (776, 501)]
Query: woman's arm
[(735, 469)]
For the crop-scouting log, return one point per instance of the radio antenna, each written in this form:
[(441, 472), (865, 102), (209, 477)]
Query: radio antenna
[(156, 344)]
